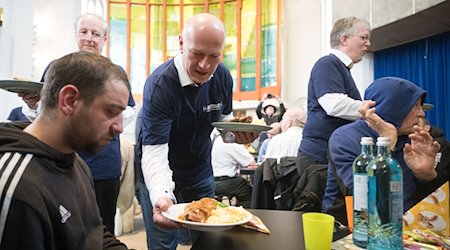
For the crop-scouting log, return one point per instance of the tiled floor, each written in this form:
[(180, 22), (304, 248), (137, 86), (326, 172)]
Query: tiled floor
[(137, 239)]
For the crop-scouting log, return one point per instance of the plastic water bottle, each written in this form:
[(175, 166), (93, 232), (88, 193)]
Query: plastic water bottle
[(360, 192), (385, 202)]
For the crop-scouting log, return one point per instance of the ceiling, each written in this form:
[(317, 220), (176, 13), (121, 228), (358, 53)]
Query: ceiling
[(434, 20)]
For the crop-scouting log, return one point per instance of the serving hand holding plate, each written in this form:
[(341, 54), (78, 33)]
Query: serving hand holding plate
[(240, 130), (164, 204)]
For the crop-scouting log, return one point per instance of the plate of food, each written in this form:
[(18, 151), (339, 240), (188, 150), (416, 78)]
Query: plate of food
[(240, 127), (240, 124), (207, 214), (21, 86)]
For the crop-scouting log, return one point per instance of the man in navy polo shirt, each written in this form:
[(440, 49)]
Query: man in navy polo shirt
[(181, 98), (333, 98)]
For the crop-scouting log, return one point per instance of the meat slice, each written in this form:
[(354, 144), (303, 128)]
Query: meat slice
[(199, 211)]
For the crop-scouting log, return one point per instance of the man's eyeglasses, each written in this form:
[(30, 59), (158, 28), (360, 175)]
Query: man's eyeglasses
[(364, 38), (86, 34)]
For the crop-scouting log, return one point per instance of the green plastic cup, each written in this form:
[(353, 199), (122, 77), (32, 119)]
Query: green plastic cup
[(317, 230)]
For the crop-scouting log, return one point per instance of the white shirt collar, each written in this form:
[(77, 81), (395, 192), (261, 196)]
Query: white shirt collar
[(183, 75), (344, 58), (185, 80)]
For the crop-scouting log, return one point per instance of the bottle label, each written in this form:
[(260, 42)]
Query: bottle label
[(395, 186), (396, 200), (360, 192)]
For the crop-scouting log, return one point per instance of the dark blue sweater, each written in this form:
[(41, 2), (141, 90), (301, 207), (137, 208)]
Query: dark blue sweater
[(329, 75)]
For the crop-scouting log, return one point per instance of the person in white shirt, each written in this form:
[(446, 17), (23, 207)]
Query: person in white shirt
[(226, 158), (287, 143)]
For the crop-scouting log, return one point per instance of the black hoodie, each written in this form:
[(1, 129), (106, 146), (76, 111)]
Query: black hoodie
[(47, 197)]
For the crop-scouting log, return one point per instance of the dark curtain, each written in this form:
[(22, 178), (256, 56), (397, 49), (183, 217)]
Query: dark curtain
[(425, 62)]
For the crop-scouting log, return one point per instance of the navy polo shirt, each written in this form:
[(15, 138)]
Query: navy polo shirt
[(182, 117)]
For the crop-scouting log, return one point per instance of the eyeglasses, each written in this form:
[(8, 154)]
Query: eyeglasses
[(86, 34), (364, 38), (418, 106)]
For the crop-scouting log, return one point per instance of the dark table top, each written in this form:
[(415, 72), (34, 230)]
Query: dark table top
[(285, 227)]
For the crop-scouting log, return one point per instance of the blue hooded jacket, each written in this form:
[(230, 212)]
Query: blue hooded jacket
[(395, 98)]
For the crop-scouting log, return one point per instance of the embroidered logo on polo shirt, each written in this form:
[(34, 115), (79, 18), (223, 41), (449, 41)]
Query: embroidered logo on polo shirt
[(65, 214), (212, 107)]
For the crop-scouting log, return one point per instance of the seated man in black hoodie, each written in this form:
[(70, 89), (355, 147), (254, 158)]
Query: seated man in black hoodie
[(48, 200)]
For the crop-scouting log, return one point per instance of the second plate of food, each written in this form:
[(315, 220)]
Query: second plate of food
[(240, 127), (175, 213)]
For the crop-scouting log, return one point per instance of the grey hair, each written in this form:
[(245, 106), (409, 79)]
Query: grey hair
[(104, 24), (346, 26), (296, 115)]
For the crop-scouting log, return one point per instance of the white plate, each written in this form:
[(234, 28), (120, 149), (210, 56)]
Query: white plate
[(240, 126), (18, 86), (176, 210)]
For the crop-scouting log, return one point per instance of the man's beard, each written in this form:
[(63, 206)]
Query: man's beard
[(79, 136)]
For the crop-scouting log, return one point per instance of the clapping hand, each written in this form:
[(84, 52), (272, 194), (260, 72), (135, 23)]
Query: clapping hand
[(384, 129), (420, 155)]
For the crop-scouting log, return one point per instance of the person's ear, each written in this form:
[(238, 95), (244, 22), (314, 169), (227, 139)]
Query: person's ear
[(343, 40), (291, 122), (69, 95), (180, 40)]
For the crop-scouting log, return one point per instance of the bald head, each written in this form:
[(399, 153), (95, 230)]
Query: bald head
[(294, 117), (204, 24), (201, 45)]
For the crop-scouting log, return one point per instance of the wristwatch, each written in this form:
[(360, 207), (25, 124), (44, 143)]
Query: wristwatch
[(228, 137)]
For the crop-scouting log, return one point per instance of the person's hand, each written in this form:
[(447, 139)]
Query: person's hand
[(420, 155), (253, 165), (162, 204), (365, 105), (31, 99), (384, 129), (245, 137)]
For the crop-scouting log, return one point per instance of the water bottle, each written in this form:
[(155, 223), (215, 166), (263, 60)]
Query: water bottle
[(360, 192), (385, 199)]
